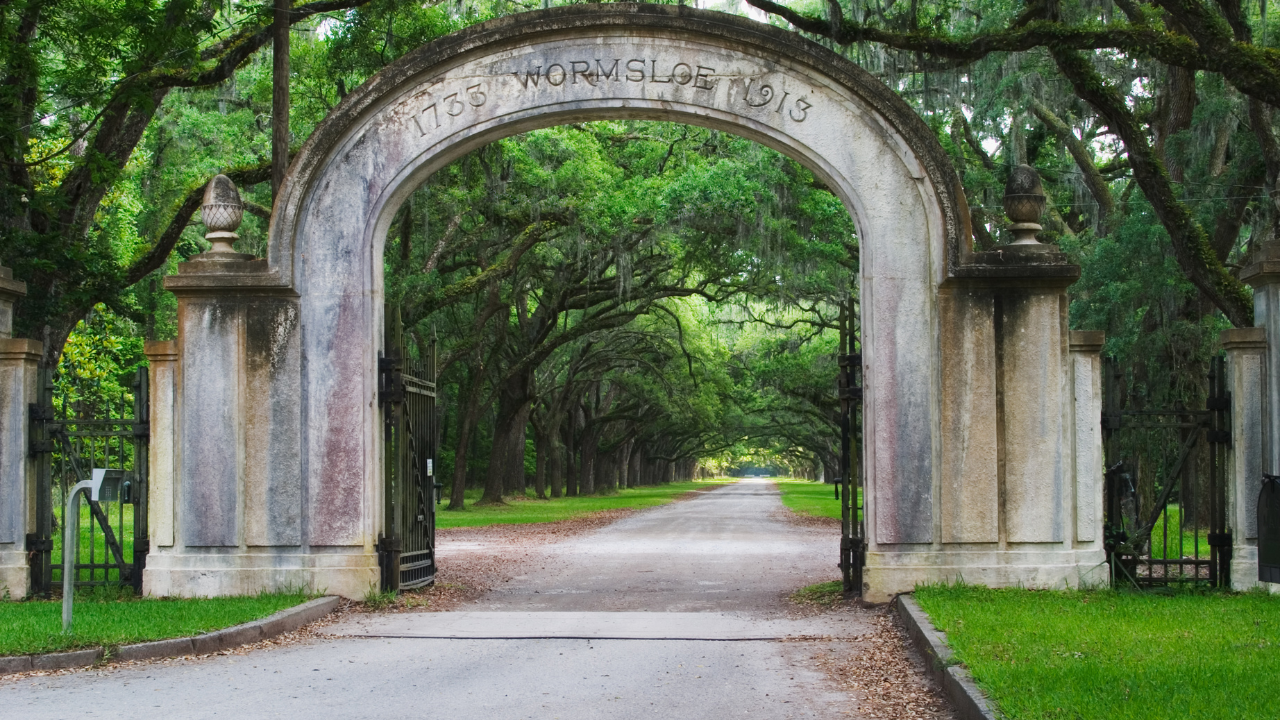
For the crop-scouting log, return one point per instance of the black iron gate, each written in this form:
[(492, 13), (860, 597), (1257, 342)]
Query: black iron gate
[(70, 437), (852, 536), (407, 393), (1165, 486)]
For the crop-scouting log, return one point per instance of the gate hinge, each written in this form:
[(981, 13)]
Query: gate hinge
[(389, 544), (847, 360), (35, 543), (142, 429), (851, 393), (39, 413), (1222, 437), (390, 381), (1218, 540)]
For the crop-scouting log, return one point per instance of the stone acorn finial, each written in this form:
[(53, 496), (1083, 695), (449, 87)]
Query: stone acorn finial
[(221, 212), (1024, 203)]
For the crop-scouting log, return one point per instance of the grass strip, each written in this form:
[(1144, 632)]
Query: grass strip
[(826, 595), (1115, 655), (35, 626), (531, 510), (807, 497)]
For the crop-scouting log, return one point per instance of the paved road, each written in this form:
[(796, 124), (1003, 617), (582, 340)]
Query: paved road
[(673, 612), (726, 550)]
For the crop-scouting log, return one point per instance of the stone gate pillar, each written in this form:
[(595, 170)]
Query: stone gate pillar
[(1020, 490), (18, 387), (228, 514), (1246, 382), (1253, 356), (1264, 276)]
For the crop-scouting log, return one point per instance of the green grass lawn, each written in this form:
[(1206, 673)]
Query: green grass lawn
[(35, 626), (1167, 536), (809, 498), (531, 510), (93, 544), (1115, 655)]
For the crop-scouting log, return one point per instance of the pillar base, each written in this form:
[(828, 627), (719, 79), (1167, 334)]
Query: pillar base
[(214, 574), (889, 573), (15, 575), (1244, 570)]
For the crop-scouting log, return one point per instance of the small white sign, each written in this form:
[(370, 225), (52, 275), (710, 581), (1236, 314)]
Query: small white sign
[(430, 471)]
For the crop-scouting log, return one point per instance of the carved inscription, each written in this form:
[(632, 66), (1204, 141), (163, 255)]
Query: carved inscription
[(651, 70), (635, 70), (701, 79), (453, 105)]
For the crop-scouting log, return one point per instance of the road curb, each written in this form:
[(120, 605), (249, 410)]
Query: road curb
[(956, 682), (284, 621)]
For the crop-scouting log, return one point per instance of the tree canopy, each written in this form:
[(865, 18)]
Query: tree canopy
[(626, 301)]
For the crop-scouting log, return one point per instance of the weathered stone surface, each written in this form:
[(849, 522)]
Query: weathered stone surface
[(192, 574), (1264, 276), (162, 360), (970, 497), (207, 492), (564, 65), (20, 663), (158, 649), (273, 463), (59, 661), (1086, 369), (10, 291), (1033, 352), (1247, 352), (18, 360)]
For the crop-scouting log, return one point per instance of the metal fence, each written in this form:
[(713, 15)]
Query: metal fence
[(70, 437), (1166, 485)]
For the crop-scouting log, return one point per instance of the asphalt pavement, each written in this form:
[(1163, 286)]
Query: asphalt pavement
[(674, 612)]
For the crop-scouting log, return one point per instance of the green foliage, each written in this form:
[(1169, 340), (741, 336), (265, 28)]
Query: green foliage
[(99, 362), (1113, 655)]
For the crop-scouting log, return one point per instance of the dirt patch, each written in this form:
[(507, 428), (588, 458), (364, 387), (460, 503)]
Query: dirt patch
[(880, 671), (474, 560)]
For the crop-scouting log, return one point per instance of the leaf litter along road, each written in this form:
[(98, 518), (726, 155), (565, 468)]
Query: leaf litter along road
[(699, 588)]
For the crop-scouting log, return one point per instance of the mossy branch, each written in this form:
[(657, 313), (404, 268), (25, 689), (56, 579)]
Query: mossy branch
[(1253, 70), (1191, 245)]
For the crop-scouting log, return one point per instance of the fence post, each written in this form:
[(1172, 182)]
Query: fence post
[(18, 388), (1246, 382)]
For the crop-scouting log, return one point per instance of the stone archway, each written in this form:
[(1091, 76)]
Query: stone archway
[(269, 474)]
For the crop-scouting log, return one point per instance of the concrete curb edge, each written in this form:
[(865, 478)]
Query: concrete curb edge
[(286, 620), (969, 702)]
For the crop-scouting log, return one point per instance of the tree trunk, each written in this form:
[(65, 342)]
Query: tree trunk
[(506, 457), (542, 445), (570, 458), (588, 469), (556, 468), (466, 425)]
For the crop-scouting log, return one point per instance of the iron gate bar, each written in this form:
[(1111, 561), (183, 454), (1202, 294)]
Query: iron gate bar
[(1200, 505), (407, 393), (63, 446), (1269, 529)]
